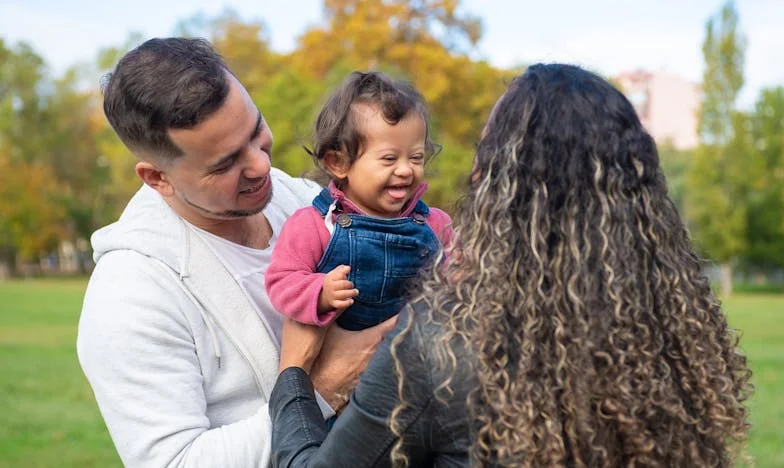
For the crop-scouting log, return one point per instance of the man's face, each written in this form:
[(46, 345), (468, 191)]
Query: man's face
[(224, 171)]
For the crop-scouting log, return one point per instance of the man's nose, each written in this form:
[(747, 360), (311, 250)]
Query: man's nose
[(258, 164)]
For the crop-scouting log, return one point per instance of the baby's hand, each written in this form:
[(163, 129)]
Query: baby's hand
[(337, 292)]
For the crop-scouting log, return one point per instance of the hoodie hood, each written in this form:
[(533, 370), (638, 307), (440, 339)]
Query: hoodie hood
[(149, 226)]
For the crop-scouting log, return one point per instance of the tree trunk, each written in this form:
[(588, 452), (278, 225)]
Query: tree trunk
[(7, 262), (726, 279)]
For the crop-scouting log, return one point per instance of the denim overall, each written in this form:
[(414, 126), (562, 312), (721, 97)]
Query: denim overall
[(384, 254)]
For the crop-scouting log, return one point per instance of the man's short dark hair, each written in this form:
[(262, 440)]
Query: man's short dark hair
[(165, 83)]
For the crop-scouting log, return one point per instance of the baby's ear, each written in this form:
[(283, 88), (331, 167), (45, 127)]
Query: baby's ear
[(337, 163)]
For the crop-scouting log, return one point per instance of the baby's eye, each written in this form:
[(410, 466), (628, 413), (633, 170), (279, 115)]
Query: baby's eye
[(389, 157), (418, 158)]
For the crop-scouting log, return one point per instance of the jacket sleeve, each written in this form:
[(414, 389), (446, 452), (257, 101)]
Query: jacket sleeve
[(291, 280), (137, 351), (361, 436)]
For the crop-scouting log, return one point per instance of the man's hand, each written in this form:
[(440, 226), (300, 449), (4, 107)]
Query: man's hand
[(300, 344), (337, 292), (344, 354)]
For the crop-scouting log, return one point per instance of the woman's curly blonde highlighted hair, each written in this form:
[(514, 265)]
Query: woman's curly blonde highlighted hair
[(596, 338)]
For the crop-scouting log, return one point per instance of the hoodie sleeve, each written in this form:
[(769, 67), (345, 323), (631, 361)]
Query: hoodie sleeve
[(139, 355), (291, 280)]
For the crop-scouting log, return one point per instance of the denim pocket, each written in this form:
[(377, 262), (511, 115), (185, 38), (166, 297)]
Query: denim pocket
[(383, 263)]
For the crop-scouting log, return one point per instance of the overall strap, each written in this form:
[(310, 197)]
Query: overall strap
[(422, 208), (326, 205), (323, 201)]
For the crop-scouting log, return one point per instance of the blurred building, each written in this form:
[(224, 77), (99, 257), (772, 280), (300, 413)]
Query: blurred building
[(666, 103)]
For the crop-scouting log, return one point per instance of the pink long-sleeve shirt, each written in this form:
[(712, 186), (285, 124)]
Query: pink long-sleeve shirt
[(291, 280)]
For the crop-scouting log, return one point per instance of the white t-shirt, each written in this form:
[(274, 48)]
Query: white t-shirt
[(248, 265)]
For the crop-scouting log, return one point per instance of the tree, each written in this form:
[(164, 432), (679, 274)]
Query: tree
[(766, 204), (31, 213), (22, 73), (426, 42), (716, 182), (675, 165), (52, 178), (291, 101), (32, 217), (71, 151)]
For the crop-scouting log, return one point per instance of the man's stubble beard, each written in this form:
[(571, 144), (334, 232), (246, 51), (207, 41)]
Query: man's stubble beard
[(230, 214)]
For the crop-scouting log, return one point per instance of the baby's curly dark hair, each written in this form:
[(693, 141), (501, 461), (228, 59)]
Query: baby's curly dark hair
[(337, 129)]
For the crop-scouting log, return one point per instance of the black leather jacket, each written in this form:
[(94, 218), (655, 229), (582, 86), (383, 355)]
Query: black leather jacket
[(436, 432)]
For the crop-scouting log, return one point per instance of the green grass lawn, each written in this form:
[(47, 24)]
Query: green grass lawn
[(50, 418), (49, 414), (759, 318)]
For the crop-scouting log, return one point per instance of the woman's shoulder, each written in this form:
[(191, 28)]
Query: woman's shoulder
[(446, 356), (428, 324)]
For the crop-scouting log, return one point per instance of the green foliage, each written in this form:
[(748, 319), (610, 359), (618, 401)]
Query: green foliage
[(32, 214), (715, 202), (31, 210), (735, 196), (724, 51), (718, 184), (395, 37), (731, 189), (21, 102), (675, 164), (289, 101), (448, 175), (765, 134)]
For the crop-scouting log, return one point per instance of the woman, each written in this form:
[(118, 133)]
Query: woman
[(576, 328)]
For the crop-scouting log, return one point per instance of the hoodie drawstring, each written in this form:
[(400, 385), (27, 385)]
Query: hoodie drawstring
[(183, 274)]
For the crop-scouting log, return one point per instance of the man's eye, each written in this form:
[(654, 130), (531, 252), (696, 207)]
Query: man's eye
[(221, 169)]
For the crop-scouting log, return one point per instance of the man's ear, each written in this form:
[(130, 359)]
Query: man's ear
[(154, 177), (337, 164)]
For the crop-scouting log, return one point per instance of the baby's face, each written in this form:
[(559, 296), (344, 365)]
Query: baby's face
[(391, 167)]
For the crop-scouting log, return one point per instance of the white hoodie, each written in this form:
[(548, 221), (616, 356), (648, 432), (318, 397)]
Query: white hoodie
[(180, 362)]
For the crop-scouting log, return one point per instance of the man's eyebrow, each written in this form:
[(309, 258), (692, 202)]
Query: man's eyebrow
[(236, 153), (259, 123)]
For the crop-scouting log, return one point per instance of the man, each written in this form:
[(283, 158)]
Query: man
[(177, 336)]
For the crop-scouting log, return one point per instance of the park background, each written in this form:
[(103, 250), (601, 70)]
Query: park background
[(63, 173)]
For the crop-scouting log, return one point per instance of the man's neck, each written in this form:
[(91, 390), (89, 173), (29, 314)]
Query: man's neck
[(252, 231)]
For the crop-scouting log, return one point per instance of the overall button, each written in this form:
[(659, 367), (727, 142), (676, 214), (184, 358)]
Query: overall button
[(344, 220), (424, 253), (418, 218)]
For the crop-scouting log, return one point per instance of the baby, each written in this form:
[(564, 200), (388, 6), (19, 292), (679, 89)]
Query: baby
[(350, 255)]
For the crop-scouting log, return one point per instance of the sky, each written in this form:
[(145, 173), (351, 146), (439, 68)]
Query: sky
[(608, 36)]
